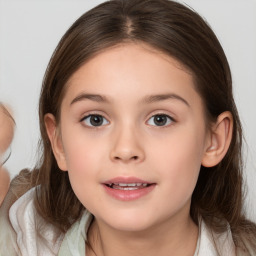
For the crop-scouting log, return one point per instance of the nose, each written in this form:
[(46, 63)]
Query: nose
[(126, 147)]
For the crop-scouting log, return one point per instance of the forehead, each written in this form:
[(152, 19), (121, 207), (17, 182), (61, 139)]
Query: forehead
[(131, 70)]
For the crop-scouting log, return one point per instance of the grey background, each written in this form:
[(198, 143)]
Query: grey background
[(30, 31)]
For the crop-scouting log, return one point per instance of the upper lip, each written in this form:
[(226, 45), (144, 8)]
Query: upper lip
[(126, 180)]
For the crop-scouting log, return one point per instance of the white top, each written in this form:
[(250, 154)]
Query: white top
[(25, 223)]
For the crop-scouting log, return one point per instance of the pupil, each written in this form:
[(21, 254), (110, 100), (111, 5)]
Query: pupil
[(96, 120), (160, 120)]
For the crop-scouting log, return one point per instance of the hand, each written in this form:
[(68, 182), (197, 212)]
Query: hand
[(7, 124)]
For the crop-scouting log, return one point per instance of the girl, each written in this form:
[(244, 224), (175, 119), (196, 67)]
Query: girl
[(141, 142)]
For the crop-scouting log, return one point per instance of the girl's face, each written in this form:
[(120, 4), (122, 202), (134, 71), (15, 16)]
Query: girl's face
[(132, 137)]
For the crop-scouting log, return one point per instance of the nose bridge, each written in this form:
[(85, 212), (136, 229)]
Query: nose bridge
[(126, 144)]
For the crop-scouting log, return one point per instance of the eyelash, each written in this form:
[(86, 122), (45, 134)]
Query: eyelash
[(94, 115), (103, 121), (168, 119)]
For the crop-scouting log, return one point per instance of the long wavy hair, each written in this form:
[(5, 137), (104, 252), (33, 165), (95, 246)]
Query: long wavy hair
[(181, 33)]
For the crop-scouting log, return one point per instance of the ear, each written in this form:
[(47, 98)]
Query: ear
[(54, 135), (219, 140)]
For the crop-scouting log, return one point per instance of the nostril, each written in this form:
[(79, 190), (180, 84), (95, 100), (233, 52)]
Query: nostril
[(123, 158)]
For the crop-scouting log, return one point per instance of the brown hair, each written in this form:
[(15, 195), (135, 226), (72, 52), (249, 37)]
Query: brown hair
[(181, 33)]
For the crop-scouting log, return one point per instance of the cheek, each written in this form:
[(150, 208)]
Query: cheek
[(78, 156), (84, 154), (178, 159), (83, 173), (82, 149)]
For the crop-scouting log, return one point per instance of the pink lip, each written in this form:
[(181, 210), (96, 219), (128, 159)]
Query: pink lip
[(126, 180), (128, 195)]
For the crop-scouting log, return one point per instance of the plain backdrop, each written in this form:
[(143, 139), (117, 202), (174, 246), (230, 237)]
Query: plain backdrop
[(30, 31)]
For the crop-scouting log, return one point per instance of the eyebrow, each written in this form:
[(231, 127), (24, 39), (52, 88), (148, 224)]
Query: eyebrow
[(147, 100), (162, 97), (93, 97)]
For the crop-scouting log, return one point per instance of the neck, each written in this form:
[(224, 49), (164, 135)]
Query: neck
[(178, 237)]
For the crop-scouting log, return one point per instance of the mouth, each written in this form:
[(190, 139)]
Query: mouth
[(127, 189), (128, 186)]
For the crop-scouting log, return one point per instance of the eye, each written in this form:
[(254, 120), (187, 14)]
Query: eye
[(160, 120), (95, 120)]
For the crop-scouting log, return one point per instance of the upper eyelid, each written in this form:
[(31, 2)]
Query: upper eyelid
[(163, 114), (86, 116), (82, 120), (153, 113), (91, 113), (168, 116), (159, 112)]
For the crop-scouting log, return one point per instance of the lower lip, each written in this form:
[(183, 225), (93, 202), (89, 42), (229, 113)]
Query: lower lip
[(128, 195)]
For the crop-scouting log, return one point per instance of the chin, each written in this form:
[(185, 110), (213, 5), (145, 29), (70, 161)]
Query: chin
[(128, 222)]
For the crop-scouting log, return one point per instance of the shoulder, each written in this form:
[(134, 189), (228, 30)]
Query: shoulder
[(212, 243), (74, 240), (27, 232)]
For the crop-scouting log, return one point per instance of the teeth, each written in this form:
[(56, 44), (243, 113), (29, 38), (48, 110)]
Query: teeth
[(130, 184), (127, 186)]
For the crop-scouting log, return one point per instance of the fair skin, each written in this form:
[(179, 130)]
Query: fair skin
[(6, 136), (148, 124), (4, 183)]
